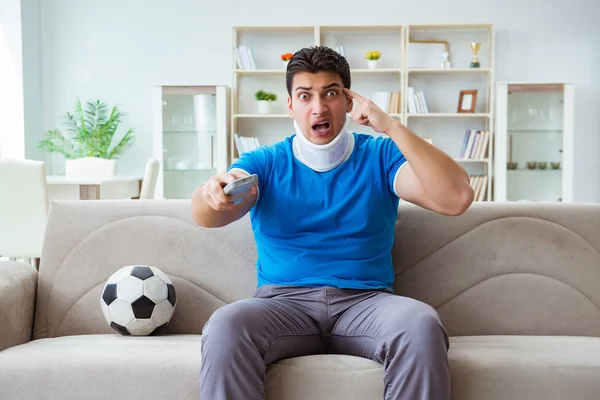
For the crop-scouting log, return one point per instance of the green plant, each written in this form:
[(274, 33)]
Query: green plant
[(91, 132), (262, 95)]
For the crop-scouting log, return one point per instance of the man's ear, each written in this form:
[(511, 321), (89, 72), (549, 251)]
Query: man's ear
[(290, 111), (350, 103)]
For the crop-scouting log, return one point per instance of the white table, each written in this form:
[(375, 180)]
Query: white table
[(119, 187)]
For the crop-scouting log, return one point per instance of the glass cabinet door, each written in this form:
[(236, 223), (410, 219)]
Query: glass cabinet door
[(189, 126), (535, 144)]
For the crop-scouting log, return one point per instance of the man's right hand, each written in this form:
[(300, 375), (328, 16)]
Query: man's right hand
[(213, 194)]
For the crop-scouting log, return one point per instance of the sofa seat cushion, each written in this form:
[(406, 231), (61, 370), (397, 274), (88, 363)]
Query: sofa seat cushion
[(525, 367), (114, 366), (107, 366), (100, 367)]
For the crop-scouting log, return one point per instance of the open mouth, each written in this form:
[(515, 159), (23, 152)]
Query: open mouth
[(322, 128)]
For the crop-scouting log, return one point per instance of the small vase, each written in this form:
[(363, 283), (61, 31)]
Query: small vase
[(264, 106), (372, 64), (285, 64)]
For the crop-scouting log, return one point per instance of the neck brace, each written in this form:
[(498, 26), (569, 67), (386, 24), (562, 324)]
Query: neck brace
[(323, 157)]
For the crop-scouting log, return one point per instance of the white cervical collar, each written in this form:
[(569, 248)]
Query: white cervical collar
[(323, 157)]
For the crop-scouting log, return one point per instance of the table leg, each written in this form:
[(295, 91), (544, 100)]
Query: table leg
[(140, 191), (89, 192)]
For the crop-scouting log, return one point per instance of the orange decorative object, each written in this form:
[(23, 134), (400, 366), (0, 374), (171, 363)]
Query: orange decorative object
[(286, 56)]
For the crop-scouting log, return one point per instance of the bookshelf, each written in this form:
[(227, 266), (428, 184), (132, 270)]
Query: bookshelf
[(441, 121), (411, 58)]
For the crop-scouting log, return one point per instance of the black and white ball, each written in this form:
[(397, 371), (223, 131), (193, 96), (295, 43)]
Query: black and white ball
[(137, 300)]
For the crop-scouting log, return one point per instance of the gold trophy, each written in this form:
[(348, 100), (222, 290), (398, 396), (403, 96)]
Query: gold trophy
[(475, 49)]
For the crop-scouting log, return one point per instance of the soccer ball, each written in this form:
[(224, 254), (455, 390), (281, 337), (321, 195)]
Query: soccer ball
[(138, 300)]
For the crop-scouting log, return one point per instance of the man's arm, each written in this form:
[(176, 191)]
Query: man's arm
[(212, 208), (431, 179)]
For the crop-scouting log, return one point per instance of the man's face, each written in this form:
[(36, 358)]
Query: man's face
[(319, 105)]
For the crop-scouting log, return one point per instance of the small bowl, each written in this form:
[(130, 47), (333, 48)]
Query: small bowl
[(555, 165), (511, 165), (542, 165), (531, 164)]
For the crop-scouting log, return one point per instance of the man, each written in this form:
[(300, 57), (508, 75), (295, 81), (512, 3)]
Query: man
[(323, 214)]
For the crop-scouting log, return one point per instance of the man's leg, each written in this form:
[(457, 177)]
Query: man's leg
[(241, 338), (406, 336)]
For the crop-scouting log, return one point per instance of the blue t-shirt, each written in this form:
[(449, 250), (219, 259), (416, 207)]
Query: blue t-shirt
[(333, 228)]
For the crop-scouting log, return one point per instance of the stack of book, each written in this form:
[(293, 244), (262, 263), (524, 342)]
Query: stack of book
[(475, 145), (390, 102), (244, 144), (244, 58), (479, 184), (417, 104)]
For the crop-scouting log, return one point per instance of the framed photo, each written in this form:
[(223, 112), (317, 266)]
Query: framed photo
[(467, 101), (426, 54)]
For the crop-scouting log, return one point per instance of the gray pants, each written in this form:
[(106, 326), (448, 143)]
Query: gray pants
[(405, 335)]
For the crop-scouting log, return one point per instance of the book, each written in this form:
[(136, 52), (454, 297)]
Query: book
[(244, 144), (390, 102), (417, 102), (475, 144), (479, 183), (244, 58)]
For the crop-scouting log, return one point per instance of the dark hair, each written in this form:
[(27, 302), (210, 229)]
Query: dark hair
[(315, 59)]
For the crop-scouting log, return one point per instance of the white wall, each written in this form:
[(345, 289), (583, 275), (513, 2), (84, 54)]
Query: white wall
[(115, 50), (32, 77), (21, 109), (12, 130)]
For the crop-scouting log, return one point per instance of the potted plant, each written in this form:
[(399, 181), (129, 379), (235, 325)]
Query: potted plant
[(87, 147), (286, 57), (372, 57), (264, 99)]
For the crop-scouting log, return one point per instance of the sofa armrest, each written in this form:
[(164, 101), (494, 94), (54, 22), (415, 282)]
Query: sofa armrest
[(18, 286)]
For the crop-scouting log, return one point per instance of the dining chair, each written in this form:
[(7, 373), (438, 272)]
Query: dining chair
[(149, 181), (23, 209)]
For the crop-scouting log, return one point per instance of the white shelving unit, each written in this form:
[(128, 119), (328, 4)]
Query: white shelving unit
[(190, 137), (534, 125), (396, 71), (446, 127), (268, 43)]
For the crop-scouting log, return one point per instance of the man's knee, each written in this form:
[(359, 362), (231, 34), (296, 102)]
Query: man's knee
[(232, 323), (420, 324)]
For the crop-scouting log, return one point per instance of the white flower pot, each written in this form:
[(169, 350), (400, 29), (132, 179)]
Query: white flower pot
[(264, 106), (285, 64), (372, 64), (90, 168)]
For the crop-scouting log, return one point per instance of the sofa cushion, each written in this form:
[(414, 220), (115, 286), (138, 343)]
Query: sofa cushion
[(98, 367), (485, 272), (325, 377), (86, 242), (525, 367), (504, 268), (159, 367), (163, 367), (18, 282)]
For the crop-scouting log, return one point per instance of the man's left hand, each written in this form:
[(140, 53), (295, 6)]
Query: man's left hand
[(369, 114)]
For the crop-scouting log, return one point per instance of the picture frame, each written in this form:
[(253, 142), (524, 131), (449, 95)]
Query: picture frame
[(426, 54), (467, 101)]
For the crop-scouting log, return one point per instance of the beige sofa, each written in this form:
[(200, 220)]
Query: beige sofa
[(518, 286)]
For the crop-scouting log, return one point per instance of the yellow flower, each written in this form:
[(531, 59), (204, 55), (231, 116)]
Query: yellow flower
[(373, 55)]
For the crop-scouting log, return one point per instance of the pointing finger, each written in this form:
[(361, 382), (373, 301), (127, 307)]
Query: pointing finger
[(353, 95)]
